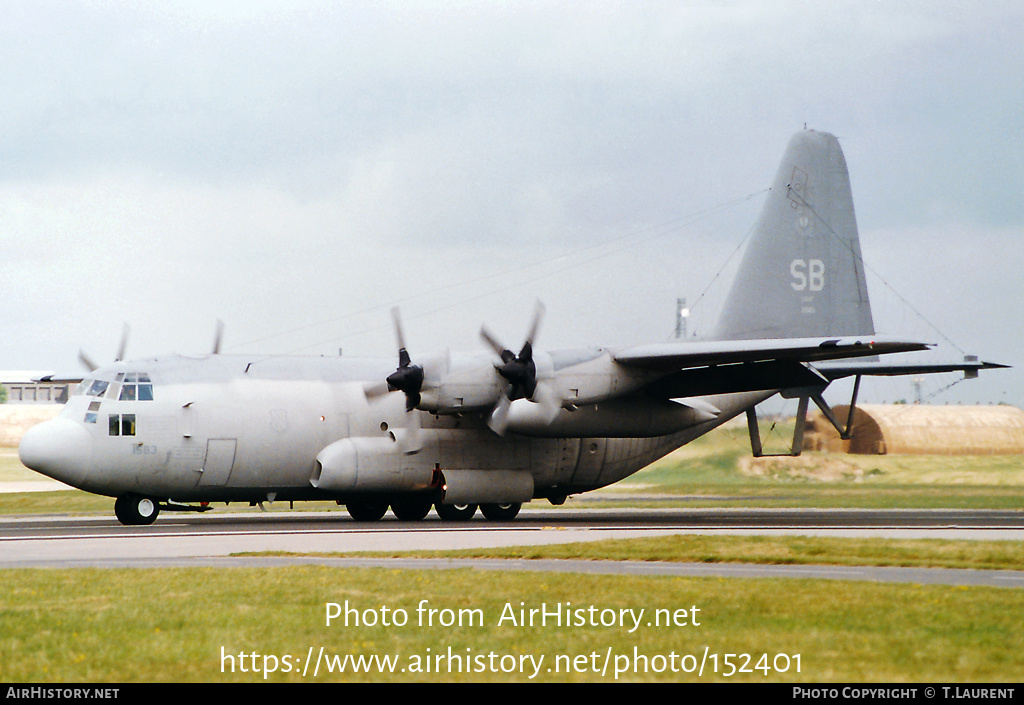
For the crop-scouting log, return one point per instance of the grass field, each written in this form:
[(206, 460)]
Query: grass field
[(771, 550), (179, 624), (198, 624), (11, 469), (717, 470)]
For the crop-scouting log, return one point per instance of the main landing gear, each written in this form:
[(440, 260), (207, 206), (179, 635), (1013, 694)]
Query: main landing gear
[(137, 510), (455, 512), (367, 509), (417, 508), (501, 512)]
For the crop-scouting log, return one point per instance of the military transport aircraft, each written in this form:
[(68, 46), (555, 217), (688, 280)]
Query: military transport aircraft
[(458, 431)]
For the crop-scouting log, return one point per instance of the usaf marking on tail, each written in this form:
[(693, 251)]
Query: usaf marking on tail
[(461, 431)]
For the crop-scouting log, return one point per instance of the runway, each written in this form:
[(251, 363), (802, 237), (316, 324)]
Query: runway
[(212, 539)]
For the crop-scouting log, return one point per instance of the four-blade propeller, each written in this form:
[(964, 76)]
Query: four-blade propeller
[(408, 379), (520, 373), (91, 366)]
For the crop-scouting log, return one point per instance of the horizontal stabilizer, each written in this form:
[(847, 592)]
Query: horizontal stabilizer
[(675, 356), (837, 370)]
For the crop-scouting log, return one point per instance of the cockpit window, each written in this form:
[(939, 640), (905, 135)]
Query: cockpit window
[(91, 416), (98, 388), (136, 387)]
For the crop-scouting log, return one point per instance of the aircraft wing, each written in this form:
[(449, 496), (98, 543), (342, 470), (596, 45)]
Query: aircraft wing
[(666, 357), (725, 366)]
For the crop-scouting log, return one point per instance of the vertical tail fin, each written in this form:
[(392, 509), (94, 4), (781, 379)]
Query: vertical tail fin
[(802, 273)]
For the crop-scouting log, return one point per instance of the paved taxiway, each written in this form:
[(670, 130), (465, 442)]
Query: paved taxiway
[(211, 539)]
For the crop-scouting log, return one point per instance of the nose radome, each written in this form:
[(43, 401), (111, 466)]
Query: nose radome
[(59, 448)]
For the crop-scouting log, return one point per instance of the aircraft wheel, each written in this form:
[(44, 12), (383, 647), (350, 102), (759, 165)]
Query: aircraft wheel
[(133, 510), (501, 512), (412, 508), (367, 509), (455, 512)]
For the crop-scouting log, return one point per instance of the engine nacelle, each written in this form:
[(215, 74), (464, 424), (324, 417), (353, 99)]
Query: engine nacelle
[(589, 376), (576, 378), (627, 417), (372, 465), (470, 383)]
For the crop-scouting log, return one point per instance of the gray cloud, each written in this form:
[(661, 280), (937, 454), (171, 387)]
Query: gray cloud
[(296, 168)]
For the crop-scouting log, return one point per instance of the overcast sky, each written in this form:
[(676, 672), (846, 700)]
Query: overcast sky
[(298, 168)]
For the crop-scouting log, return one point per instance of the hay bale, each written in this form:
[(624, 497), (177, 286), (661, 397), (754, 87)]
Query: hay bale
[(15, 419), (880, 429)]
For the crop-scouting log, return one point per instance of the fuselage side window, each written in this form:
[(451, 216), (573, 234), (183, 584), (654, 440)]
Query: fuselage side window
[(121, 424)]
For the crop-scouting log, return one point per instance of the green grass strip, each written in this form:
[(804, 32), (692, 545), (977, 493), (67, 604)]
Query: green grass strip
[(178, 625)]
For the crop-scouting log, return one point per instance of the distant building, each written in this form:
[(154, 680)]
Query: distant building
[(31, 387)]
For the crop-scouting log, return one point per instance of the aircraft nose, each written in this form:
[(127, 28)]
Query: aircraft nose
[(58, 448)]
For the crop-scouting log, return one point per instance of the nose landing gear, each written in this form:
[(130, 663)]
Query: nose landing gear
[(135, 510)]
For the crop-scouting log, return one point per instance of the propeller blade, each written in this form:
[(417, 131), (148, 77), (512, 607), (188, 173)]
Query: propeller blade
[(407, 378), (86, 361), (399, 335), (504, 353), (498, 421), (218, 335), (372, 390), (538, 317), (91, 365), (411, 440), (125, 331), (520, 372), (548, 399), (436, 368)]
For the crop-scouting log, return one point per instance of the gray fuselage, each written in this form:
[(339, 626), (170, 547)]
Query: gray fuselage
[(237, 428)]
